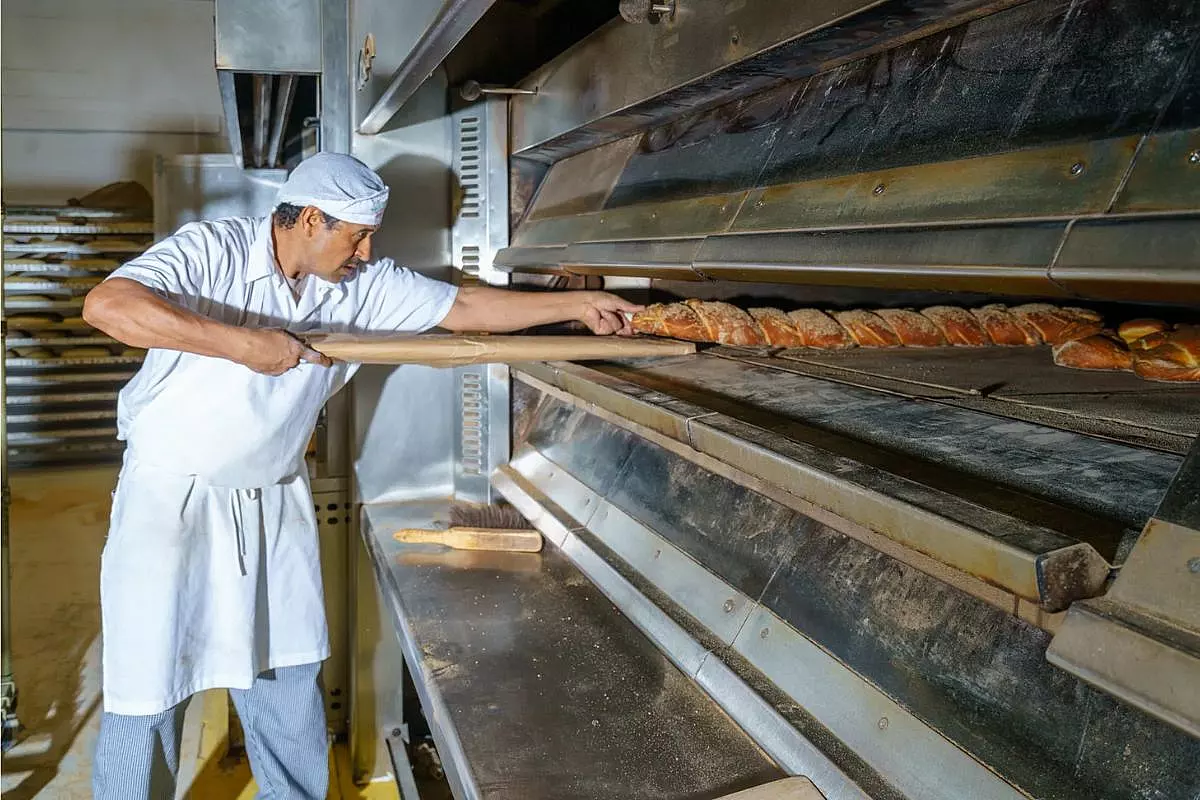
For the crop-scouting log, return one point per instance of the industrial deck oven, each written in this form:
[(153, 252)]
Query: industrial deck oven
[(920, 573)]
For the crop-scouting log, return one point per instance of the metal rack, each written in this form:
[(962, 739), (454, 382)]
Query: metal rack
[(61, 375)]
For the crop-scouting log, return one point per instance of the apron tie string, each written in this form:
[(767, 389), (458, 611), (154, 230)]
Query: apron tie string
[(239, 524), (236, 507)]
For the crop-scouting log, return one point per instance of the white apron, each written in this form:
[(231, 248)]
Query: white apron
[(211, 573)]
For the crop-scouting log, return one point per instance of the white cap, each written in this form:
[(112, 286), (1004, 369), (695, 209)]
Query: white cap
[(340, 185)]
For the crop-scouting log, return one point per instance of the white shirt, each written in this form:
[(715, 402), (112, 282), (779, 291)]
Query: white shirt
[(206, 416)]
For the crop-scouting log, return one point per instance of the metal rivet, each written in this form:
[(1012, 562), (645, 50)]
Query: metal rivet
[(1077, 168), (1194, 565), (883, 723), (728, 606), (764, 633), (396, 733), (1194, 157), (735, 39), (880, 188)]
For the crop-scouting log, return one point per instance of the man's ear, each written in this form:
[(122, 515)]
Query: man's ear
[(310, 218)]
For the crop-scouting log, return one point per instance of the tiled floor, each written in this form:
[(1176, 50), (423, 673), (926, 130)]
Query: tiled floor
[(58, 521)]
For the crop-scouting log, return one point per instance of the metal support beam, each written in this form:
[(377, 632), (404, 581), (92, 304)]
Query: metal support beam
[(283, 107), (335, 76), (262, 118), (233, 125), (451, 24)]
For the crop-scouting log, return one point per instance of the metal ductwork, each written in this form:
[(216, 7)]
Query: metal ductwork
[(261, 74)]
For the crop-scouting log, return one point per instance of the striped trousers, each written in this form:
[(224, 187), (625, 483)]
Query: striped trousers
[(282, 714)]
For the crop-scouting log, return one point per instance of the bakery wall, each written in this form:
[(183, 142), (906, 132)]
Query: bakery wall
[(94, 89)]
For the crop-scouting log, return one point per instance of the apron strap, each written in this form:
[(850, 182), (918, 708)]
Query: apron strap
[(235, 502)]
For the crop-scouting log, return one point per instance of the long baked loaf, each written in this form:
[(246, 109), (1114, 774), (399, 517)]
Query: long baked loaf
[(777, 327), (1006, 328), (959, 326), (819, 330), (676, 320), (1056, 325), (936, 326), (867, 329), (1094, 352), (912, 329), (727, 323)]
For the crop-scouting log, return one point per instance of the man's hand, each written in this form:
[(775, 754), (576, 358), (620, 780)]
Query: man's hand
[(271, 351), (484, 308), (605, 313)]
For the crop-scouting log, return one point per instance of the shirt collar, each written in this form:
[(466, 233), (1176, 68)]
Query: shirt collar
[(262, 263), (262, 254)]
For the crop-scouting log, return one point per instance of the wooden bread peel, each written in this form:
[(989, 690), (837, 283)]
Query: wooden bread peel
[(438, 350), (463, 538)]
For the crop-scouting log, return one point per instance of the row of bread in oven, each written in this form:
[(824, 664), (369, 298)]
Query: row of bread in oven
[(1151, 348), (937, 326)]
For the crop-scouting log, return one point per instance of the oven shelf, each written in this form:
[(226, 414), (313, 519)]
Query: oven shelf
[(1041, 512)]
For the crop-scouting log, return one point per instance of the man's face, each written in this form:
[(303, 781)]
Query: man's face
[(333, 252)]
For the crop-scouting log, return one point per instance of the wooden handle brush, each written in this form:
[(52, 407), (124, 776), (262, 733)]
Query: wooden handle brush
[(510, 540), (480, 527)]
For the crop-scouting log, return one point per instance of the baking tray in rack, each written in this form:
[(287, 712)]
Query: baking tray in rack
[(68, 451), (64, 378), (59, 363), (35, 213), (33, 417), (79, 267), (47, 327), (74, 248), (81, 228), (35, 398), (52, 340), (18, 303), (65, 286), (28, 438)]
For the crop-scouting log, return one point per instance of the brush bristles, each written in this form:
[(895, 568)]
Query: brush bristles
[(475, 515)]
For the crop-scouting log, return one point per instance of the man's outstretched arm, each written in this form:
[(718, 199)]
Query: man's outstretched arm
[(482, 308)]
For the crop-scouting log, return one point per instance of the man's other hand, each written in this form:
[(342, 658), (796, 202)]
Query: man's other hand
[(605, 314), (274, 352)]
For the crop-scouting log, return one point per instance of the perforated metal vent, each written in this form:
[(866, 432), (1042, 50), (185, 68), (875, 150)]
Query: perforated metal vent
[(472, 423), (468, 165), (470, 259), (479, 230)]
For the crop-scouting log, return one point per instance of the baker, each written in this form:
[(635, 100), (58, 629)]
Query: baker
[(210, 576)]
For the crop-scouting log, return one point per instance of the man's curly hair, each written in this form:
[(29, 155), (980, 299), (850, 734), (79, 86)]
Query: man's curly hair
[(287, 215)]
